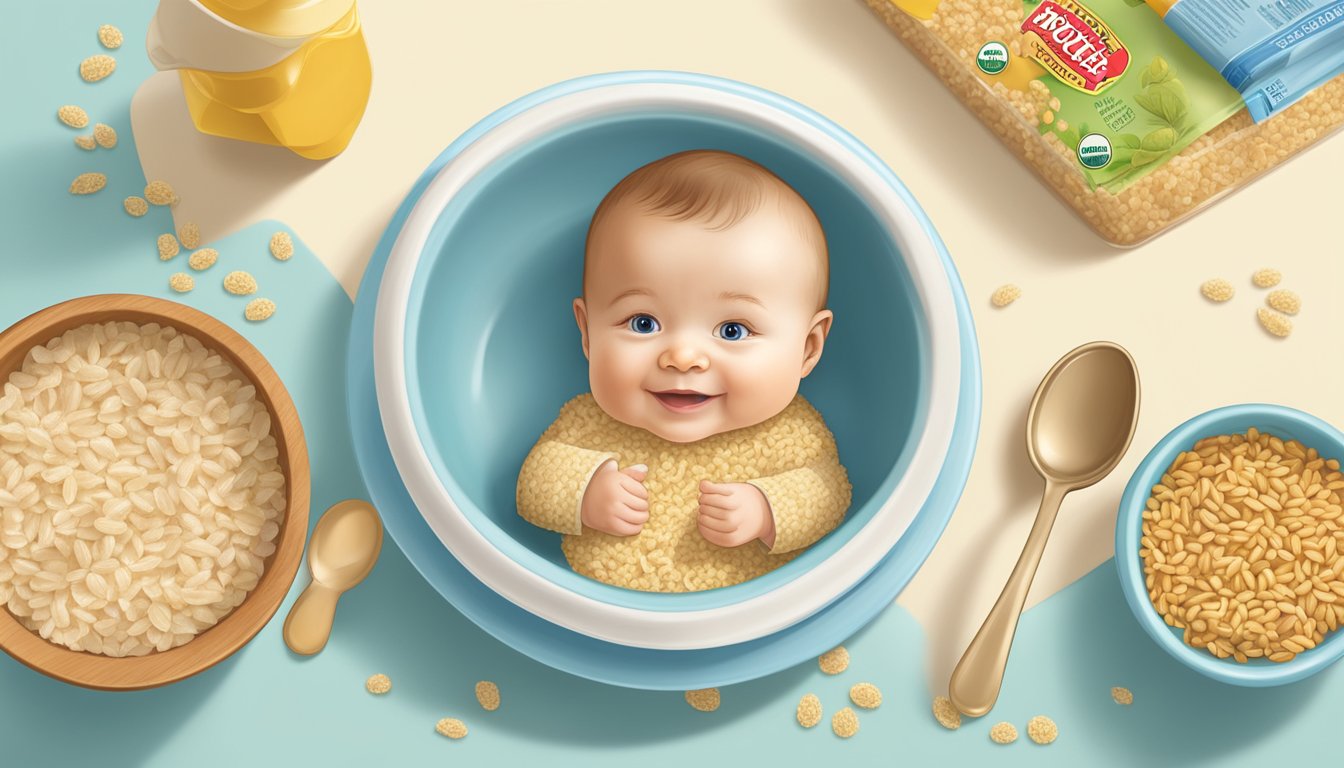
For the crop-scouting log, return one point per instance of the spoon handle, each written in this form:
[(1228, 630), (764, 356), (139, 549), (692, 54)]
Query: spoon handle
[(309, 622), (975, 682)]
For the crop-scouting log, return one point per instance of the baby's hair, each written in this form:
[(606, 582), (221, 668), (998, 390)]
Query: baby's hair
[(711, 186)]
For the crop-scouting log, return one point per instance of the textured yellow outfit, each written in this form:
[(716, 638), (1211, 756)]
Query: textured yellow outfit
[(791, 458)]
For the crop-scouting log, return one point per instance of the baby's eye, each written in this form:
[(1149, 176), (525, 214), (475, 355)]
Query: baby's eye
[(732, 331), (644, 324)]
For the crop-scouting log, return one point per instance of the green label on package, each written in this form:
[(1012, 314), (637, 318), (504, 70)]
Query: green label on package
[(1126, 93)]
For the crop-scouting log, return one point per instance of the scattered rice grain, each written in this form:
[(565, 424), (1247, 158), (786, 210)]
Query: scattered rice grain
[(1005, 295), (1122, 695), (181, 282), (1003, 733), (1285, 301), (946, 713), (1217, 289), (1266, 278), (259, 309), (834, 661), (378, 684), (1277, 324), (203, 259), (160, 193), (240, 283), (282, 247), (487, 695), (135, 206), (110, 37), (95, 68), (87, 183), (105, 135), (845, 723), (1042, 730), (167, 246), (451, 727), (87, 143), (809, 710), (705, 699), (73, 116), (190, 235), (866, 695)]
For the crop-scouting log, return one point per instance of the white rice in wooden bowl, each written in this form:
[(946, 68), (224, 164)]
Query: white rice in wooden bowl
[(140, 489)]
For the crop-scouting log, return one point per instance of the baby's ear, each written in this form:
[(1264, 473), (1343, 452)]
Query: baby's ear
[(816, 340), (581, 317)]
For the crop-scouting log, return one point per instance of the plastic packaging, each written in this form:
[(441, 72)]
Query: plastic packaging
[(1273, 53), (293, 73), (1156, 101)]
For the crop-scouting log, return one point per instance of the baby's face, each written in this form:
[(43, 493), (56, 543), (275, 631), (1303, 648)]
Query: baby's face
[(691, 332)]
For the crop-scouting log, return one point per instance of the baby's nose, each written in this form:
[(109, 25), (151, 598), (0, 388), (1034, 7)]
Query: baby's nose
[(683, 357)]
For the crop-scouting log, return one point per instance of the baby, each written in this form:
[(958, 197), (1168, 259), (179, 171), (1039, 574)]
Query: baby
[(694, 463)]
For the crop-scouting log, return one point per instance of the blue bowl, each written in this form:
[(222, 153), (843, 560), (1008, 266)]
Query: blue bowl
[(1277, 420), (491, 351)]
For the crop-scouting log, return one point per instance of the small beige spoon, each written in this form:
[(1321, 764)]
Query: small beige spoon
[(1079, 425), (344, 546)]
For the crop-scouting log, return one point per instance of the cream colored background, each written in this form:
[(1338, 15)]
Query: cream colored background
[(441, 66)]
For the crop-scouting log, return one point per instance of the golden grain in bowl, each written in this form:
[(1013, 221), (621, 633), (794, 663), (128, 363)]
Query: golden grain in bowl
[(231, 564)]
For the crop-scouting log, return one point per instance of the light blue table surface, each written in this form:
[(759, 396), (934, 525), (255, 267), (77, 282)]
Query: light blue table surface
[(267, 707)]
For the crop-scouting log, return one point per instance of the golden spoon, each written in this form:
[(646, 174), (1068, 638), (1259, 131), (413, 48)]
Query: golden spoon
[(342, 551), (1079, 425)]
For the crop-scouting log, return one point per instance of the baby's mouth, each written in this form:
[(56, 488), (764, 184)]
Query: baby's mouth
[(682, 400)]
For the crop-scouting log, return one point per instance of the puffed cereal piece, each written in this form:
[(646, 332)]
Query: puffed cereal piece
[(1266, 278), (809, 710), (1122, 695), (487, 693), (97, 67), (86, 143), (845, 723), (73, 116), (160, 193), (190, 235), (135, 206), (262, 309), (378, 684), (240, 283), (1285, 301), (1042, 729), (203, 259), (705, 699), (1003, 733), (87, 183), (1273, 322), (1005, 295), (282, 247), (866, 695), (110, 37), (946, 713), (105, 135), (167, 246), (1217, 289), (182, 282), (451, 727), (834, 661)]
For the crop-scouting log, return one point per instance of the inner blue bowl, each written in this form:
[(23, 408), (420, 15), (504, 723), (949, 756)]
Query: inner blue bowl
[(1280, 421), (493, 351)]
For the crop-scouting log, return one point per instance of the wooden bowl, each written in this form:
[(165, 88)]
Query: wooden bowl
[(234, 630)]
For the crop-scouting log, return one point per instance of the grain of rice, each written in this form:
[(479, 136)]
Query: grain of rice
[(282, 247), (705, 699), (1005, 295), (181, 282), (190, 235), (378, 684), (1217, 289), (95, 68), (1285, 301), (110, 36), (1042, 730), (203, 259), (135, 206), (167, 246), (73, 116), (1003, 733), (1259, 523), (845, 723), (160, 193), (451, 727), (86, 143), (87, 183), (240, 283), (105, 135), (259, 309), (1122, 696), (81, 420), (946, 713), (834, 661), (1273, 322), (1266, 278), (809, 710), (866, 695), (487, 695)]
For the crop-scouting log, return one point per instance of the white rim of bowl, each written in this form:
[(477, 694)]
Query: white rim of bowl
[(738, 622)]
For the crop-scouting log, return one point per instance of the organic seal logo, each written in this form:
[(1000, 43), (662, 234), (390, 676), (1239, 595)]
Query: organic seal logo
[(992, 58), (1094, 151), (1075, 46)]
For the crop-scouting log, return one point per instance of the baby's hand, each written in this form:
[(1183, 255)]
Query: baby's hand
[(732, 514), (616, 501)]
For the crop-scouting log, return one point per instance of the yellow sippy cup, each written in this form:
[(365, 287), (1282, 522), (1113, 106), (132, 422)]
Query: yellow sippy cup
[(294, 73)]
